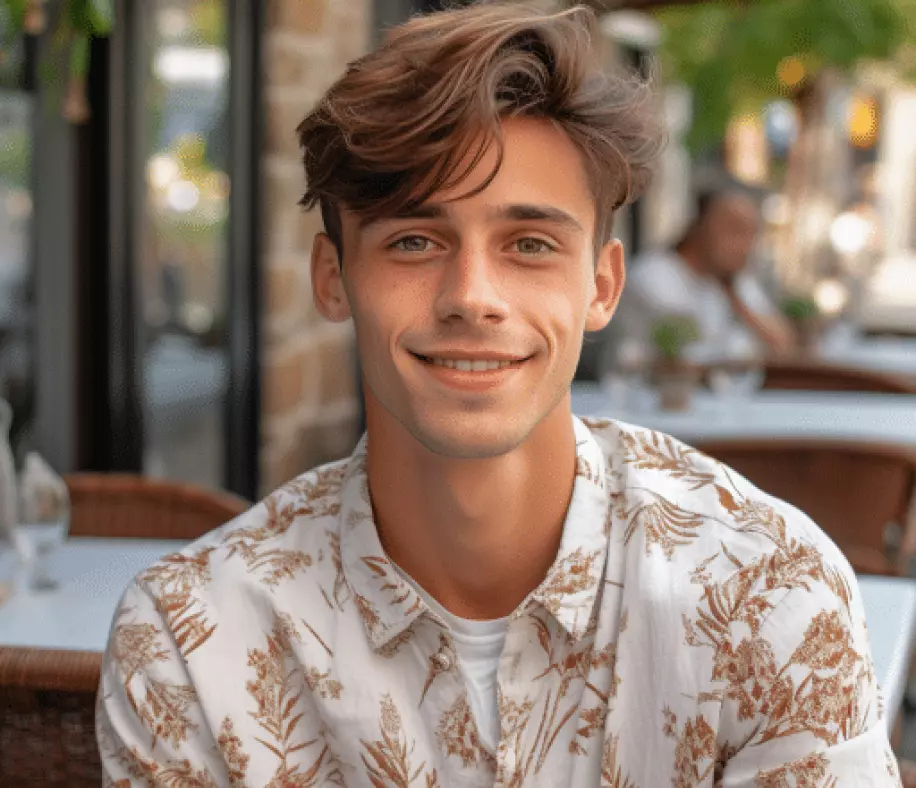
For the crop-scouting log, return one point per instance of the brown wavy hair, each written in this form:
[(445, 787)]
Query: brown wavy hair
[(419, 113)]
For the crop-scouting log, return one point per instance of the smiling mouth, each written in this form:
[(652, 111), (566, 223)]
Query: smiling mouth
[(470, 365)]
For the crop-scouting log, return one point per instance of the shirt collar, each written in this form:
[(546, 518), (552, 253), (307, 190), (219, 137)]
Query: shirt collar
[(388, 605)]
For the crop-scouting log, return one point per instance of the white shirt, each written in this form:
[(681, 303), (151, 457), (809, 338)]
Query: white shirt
[(479, 645), (691, 631), (661, 283)]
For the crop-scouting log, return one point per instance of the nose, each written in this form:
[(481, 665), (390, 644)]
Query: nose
[(469, 289)]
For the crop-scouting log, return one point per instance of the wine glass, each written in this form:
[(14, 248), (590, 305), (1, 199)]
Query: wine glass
[(740, 374)]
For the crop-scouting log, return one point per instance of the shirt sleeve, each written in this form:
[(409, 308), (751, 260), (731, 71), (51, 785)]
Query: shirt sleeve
[(150, 728), (802, 706), (754, 296)]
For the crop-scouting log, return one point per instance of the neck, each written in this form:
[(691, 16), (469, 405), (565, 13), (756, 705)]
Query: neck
[(477, 535)]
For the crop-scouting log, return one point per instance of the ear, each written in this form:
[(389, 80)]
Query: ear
[(609, 278), (328, 291)]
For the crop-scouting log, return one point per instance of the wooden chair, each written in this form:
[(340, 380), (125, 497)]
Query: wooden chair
[(47, 718), (862, 495), (122, 505), (820, 376), (47, 698)]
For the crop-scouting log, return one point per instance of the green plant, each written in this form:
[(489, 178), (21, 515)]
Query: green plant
[(730, 53), (800, 307), (672, 333), (77, 23)]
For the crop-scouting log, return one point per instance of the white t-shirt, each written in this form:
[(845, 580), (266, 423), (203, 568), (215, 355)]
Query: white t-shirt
[(479, 645), (662, 283)]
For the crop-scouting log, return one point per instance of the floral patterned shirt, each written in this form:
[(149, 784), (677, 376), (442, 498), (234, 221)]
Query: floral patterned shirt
[(693, 631)]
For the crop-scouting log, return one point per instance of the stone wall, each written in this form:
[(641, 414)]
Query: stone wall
[(310, 409)]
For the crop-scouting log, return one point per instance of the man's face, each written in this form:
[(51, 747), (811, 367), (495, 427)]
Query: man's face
[(506, 277), (730, 231)]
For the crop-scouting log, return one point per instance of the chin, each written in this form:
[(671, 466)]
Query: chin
[(474, 440)]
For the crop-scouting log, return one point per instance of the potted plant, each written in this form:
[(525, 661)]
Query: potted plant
[(675, 377), (805, 315)]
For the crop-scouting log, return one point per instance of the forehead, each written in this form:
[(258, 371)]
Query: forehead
[(735, 209)]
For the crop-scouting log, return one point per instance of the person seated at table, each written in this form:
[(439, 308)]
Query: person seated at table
[(705, 275), (491, 590)]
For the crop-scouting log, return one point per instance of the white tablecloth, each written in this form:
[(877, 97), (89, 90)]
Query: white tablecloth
[(893, 355), (813, 414), (92, 574), (890, 612)]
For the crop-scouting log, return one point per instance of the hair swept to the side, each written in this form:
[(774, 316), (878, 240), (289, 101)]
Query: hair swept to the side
[(416, 115)]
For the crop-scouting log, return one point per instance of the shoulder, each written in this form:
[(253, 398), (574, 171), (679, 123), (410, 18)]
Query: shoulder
[(706, 522), (291, 531)]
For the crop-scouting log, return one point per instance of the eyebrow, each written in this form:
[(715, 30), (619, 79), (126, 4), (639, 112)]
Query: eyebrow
[(525, 212), (517, 212)]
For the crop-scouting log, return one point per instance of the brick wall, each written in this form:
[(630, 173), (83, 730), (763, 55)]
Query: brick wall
[(310, 409)]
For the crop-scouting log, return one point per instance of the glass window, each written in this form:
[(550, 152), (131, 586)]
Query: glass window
[(183, 240), (17, 302)]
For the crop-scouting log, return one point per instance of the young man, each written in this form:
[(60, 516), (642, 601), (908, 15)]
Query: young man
[(491, 591), (705, 275)]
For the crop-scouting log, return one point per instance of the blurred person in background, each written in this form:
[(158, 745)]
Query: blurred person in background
[(705, 275)]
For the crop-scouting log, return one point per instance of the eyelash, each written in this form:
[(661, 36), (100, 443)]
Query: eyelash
[(396, 245)]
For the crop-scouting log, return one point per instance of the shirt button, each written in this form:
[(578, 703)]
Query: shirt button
[(442, 661)]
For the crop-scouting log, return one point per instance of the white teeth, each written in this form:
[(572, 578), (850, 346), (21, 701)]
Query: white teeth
[(470, 366)]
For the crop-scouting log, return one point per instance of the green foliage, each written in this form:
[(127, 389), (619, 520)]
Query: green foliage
[(674, 332), (91, 17), (799, 308), (15, 158), (728, 53)]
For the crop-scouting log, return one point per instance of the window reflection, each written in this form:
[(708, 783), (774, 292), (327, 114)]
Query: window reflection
[(183, 275)]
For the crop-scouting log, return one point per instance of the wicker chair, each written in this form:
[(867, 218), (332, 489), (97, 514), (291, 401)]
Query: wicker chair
[(47, 718), (862, 495), (122, 505), (47, 698), (819, 376)]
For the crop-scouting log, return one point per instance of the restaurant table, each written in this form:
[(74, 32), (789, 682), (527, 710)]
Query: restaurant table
[(771, 413), (93, 574), (890, 355), (890, 613)]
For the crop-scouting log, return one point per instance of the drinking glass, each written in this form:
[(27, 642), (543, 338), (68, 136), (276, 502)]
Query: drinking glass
[(44, 522)]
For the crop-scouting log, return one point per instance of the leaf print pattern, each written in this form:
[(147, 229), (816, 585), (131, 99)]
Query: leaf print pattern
[(656, 452), (458, 735), (810, 772), (663, 524), (230, 746), (279, 707), (611, 773), (279, 563), (572, 574), (175, 577), (330, 680), (695, 749), (387, 760), (171, 774)]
